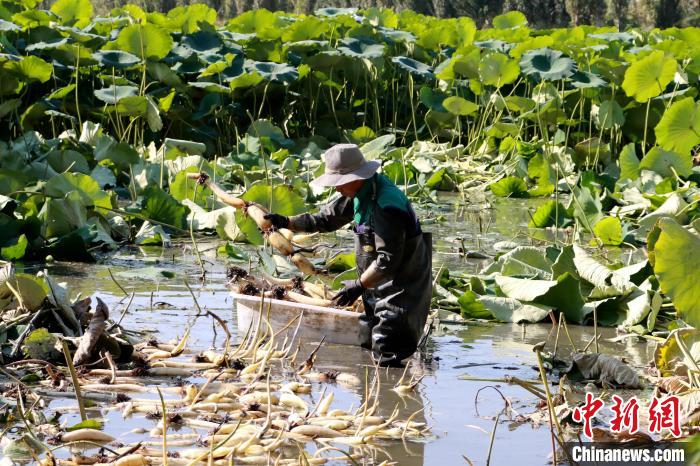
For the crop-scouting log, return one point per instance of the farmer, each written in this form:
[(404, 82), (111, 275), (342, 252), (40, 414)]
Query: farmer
[(393, 254)]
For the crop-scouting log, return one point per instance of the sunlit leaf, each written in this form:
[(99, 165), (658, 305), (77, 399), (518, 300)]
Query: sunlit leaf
[(679, 128), (649, 76), (144, 41), (677, 261)]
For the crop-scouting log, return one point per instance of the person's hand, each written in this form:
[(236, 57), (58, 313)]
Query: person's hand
[(352, 289), (278, 221)]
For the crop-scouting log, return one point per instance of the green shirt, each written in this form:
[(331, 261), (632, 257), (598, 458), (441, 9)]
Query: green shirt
[(388, 195)]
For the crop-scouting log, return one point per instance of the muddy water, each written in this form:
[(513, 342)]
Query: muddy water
[(461, 424)]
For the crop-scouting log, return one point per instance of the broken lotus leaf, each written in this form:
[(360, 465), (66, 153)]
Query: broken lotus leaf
[(98, 324), (605, 370)]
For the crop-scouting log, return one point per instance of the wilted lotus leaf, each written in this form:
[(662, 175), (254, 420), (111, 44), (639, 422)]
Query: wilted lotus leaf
[(606, 370)]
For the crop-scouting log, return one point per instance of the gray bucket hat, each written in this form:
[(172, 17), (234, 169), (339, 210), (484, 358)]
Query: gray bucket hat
[(345, 163)]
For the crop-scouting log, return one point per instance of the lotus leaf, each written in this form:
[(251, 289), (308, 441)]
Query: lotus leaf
[(71, 11), (458, 106), (360, 48), (278, 72), (679, 128), (512, 310), (32, 68), (144, 41), (510, 186), (551, 213), (547, 64), (676, 263), (665, 163), (649, 76), (203, 42), (414, 67), (510, 20), (280, 199), (116, 58), (496, 69), (584, 79), (88, 190), (156, 204)]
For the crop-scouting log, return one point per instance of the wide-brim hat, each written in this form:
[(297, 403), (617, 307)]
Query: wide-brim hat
[(345, 163)]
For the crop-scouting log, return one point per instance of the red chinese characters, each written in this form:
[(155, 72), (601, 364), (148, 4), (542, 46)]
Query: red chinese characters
[(665, 414), (626, 415), (586, 413)]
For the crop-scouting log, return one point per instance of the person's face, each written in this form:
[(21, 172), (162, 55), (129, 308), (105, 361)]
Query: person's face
[(350, 189)]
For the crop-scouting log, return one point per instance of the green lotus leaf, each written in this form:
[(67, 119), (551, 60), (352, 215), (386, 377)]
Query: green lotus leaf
[(679, 128), (71, 11), (494, 45), (89, 191), (9, 106), (156, 204), (161, 72), (551, 213), (144, 41), (15, 250), (458, 106), (278, 72), (432, 98), (519, 104), (136, 105), (203, 42), (510, 186), (47, 44), (615, 37), (666, 162), (116, 58), (263, 23), (497, 69), (609, 115), (547, 64), (584, 80), (512, 310), (280, 199), (360, 48), (120, 153), (333, 12), (649, 76), (609, 231), (629, 163), (563, 293), (33, 18), (30, 67), (414, 67), (67, 160), (113, 94), (510, 20), (245, 80), (304, 29), (188, 18), (587, 207), (676, 264), (7, 26)]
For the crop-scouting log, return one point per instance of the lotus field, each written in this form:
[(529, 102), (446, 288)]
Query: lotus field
[(596, 130)]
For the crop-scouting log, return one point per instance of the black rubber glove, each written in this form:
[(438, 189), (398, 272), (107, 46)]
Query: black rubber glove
[(278, 221), (352, 289)]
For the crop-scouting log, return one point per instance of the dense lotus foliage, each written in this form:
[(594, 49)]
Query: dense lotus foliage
[(101, 118)]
